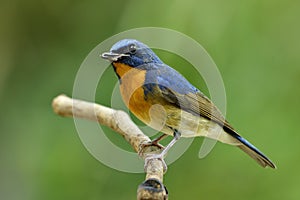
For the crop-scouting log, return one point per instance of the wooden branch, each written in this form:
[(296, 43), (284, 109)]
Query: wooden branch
[(120, 122)]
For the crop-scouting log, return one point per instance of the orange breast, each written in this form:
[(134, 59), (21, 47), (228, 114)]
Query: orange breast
[(131, 88)]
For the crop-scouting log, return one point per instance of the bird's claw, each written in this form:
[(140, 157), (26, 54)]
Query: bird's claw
[(149, 148), (160, 157), (154, 144)]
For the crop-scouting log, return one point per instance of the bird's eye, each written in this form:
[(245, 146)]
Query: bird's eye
[(132, 48)]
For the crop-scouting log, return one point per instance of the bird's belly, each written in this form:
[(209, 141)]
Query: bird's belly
[(190, 125), (167, 118), (187, 124)]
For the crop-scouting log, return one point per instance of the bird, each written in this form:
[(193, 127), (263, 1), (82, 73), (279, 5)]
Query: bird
[(163, 99)]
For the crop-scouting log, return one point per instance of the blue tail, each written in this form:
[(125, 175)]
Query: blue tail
[(252, 151)]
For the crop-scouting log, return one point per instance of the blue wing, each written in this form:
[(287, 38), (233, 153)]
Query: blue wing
[(175, 89)]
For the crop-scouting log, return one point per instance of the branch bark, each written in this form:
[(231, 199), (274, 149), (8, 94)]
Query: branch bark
[(120, 122)]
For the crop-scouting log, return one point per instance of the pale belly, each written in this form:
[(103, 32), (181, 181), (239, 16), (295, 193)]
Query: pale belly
[(168, 118)]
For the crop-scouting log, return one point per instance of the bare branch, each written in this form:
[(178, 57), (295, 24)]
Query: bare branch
[(120, 122)]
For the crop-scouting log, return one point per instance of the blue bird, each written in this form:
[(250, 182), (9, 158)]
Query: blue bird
[(163, 99)]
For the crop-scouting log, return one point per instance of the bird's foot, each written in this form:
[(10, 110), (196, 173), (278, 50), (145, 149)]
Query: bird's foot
[(149, 149), (156, 141), (151, 157), (163, 153), (154, 144)]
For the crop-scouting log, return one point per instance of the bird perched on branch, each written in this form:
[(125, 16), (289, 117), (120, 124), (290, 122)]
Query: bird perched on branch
[(162, 98)]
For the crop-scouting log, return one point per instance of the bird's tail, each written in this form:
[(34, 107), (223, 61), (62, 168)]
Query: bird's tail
[(233, 138), (230, 136), (254, 153)]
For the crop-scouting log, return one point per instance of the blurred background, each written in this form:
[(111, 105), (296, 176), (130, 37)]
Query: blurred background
[(255, 44)]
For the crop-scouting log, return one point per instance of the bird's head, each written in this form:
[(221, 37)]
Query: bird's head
[(131, 52)]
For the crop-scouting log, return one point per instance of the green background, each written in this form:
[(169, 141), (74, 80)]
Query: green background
[(255, 44)]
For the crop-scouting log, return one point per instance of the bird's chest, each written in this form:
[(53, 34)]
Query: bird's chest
[(131, 87)]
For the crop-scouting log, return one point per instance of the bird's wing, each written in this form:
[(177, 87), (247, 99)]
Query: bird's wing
[(196, 104), (175, 89)]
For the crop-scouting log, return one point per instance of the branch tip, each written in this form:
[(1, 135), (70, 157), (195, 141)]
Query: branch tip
[(120, 122)]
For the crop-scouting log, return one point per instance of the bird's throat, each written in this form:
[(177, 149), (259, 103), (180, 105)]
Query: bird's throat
[(122, 69)]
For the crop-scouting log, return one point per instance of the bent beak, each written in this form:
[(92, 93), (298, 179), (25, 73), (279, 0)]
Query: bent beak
[(112, 57)]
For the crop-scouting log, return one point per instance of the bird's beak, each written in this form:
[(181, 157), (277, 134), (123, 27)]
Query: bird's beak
[(112, 57)]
